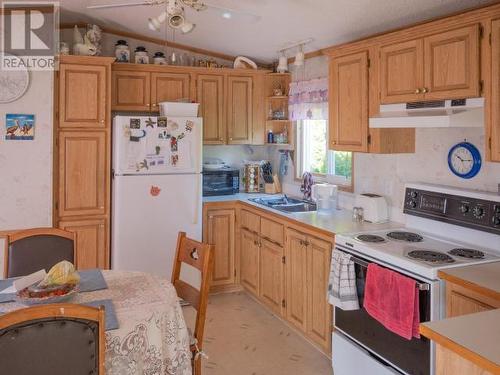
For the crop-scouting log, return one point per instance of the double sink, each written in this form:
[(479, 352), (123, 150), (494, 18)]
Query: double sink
[(285, 204)]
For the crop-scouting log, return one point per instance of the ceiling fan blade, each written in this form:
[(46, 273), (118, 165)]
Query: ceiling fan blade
[(121, 5), (232, 10)]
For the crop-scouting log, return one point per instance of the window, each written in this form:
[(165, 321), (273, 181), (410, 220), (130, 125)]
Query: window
[(314, 156)]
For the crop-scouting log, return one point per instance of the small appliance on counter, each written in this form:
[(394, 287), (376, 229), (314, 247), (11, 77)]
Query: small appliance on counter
[(221, 181), (375, 209), (325, 196)]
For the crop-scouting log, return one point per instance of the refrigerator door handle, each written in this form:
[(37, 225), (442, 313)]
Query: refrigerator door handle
[(197, 202)]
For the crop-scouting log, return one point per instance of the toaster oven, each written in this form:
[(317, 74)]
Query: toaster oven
[(221, 182)]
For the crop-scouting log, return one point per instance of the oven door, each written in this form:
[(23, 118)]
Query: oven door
[(410, 356)]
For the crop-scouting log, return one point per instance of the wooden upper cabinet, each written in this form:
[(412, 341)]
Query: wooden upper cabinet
[(296, 278), (92, 247), (349, 102), (210, 95), (239, 109), (169, 87), (451, 61), (271, 275), (220, 233), (83, 173), (249, 261), (401, 72), (494, 121), (82, 96), (131, 91), (319, 321)]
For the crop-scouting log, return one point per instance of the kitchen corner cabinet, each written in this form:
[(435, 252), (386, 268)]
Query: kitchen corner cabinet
[(82, 160), (440, 66), (219, 231), (493, 129), (349, 102)]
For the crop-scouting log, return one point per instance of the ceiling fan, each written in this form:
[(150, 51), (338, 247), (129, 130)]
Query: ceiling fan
[(174, 13)]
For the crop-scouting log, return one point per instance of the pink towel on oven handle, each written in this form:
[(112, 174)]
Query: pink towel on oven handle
[(393, 300)]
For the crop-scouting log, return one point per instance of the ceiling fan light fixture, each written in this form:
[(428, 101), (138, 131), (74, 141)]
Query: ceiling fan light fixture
[(187, 27), (154, 23), (176, 21)]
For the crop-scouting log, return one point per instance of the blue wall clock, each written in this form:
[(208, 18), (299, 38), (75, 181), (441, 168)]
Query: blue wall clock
[(464, 160)]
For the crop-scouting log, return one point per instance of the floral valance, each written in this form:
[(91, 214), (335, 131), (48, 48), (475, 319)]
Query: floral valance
[(309, 100)]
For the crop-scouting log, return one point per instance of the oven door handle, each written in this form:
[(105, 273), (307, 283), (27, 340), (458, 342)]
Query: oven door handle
[(362, 263)]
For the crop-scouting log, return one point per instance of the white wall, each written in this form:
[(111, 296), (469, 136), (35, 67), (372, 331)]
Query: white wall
[(26, 166), (387, 174)]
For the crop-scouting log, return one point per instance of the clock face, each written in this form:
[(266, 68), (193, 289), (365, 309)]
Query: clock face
[(464, 160)]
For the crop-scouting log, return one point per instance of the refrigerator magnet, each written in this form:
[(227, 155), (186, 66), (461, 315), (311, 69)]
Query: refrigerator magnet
[(175, 159), (189, 125), (150, 123), (135, 123), (173, 144), (162, 122), (157, 150), (154, 191), (142, 165), (172, 125)]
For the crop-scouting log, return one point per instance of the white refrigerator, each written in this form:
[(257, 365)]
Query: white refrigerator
[(157, 190)]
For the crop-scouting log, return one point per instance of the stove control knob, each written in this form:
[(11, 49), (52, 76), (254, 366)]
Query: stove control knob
[(412, 204), (413, 194), (464, 208), (478, 212)]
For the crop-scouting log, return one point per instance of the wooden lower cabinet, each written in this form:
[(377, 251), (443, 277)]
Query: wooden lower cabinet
[(450, 363), (296, 278), (249, 261), (271, 276), (463, 301), (220, 225), (92, 247), (319, 313)]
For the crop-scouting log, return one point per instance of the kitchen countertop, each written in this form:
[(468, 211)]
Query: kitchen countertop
[(474, 337), (339, 222), (481, 278)]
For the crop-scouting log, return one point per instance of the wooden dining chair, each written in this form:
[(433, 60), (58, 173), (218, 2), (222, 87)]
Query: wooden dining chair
[(56, 339), (200, 256), (33, 249)]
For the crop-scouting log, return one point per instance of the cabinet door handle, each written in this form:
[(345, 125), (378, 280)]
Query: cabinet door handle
[(221, 139), (147, 104), (424, 90), (334, 142), (417, 91)]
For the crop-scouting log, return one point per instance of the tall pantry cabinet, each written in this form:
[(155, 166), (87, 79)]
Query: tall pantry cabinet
[(82, 140)]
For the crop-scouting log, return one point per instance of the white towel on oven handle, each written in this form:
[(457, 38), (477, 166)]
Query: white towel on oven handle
[(342, 291)]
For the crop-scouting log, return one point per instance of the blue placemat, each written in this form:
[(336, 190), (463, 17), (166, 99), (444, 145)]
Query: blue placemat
[(109, 308), (91, 280), (6, 297)]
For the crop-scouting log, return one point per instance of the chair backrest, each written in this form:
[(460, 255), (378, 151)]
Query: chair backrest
[(56, 339), (200, 256), (33, 249)]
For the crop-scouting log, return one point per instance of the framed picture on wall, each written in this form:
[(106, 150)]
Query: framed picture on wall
[(19, 127)]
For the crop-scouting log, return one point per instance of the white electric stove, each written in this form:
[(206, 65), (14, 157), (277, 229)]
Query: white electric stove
[(445, 227)]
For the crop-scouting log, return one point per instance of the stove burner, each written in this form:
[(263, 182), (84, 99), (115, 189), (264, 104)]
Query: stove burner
[(405, 236), (467, 253), (370, 238), (430, 256)]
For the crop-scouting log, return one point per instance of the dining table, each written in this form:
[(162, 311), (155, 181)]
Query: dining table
[(151, 336)]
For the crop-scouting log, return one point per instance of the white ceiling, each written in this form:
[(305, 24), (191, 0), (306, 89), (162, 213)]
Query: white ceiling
[(281, 22)]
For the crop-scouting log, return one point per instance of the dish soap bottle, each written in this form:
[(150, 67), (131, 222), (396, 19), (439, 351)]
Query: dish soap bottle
[(270, 137)]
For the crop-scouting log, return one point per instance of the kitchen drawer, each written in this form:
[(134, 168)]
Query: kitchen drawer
[(250, 221), (272, 231)]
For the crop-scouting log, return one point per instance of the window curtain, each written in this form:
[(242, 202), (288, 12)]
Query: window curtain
[(308, 100)]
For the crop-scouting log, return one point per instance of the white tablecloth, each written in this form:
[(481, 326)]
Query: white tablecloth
[(152, 337)]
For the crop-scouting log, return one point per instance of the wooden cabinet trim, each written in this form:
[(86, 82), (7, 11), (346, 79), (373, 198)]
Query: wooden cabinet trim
[(493, 127)]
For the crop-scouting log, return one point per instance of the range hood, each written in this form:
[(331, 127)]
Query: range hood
[(460, 113)]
